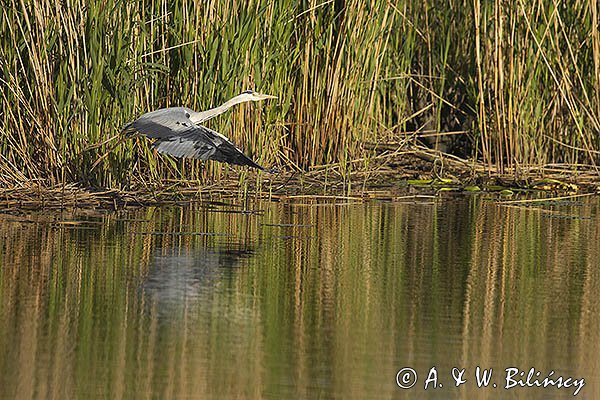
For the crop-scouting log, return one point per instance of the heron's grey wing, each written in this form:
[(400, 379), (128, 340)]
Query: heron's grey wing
[(161, 123), (178, 136), (205, 144)]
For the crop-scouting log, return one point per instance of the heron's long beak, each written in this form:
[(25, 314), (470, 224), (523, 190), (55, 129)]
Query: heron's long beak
[(261, 96)]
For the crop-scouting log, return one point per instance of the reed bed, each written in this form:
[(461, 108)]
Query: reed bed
[(510, 83)]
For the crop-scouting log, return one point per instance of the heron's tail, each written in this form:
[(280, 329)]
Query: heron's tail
[(129, 130)]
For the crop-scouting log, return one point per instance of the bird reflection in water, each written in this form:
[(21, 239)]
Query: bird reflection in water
[(180, 277)]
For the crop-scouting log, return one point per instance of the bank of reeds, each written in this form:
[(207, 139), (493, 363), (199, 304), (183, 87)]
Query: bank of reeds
[(518, 82)]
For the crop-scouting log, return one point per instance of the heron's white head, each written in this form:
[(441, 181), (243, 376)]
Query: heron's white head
[(251, 95)]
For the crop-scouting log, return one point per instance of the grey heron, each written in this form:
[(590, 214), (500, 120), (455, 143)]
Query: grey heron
[(178, 132)]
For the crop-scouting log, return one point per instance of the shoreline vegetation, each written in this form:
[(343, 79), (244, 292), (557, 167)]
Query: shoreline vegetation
[(384, 97), (416, 175)]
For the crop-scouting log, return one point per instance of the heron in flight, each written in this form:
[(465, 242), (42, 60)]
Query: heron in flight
[(178, 132)]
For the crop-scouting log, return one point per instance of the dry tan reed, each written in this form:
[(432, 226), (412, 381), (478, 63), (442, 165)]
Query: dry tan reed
[(520, 81)]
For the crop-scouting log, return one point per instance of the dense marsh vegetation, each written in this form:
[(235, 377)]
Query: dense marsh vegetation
[(516, 81)]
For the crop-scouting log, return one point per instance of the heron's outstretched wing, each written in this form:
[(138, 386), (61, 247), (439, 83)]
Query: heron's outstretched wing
[(178, 136)]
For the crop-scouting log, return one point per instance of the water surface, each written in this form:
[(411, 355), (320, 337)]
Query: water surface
[(299, 300)]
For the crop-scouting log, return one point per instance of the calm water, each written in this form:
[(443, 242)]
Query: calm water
[(300, 301)]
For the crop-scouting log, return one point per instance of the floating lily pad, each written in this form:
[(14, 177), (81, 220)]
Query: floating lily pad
[(554, 184)]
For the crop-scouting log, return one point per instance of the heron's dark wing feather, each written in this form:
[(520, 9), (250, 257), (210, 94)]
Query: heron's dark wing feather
[(178, 136), (205, 144)]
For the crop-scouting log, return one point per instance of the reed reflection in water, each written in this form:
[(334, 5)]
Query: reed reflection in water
[(299, 301)]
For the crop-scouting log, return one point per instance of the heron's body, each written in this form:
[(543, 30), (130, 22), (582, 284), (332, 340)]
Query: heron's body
[(178, 132)]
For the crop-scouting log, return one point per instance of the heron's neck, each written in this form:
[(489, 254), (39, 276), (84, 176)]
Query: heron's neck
[(202, 116)]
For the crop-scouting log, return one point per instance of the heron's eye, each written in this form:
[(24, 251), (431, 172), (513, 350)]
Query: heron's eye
[(187, 114)]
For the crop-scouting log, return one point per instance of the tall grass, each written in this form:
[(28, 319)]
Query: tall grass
[(522, 79)]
